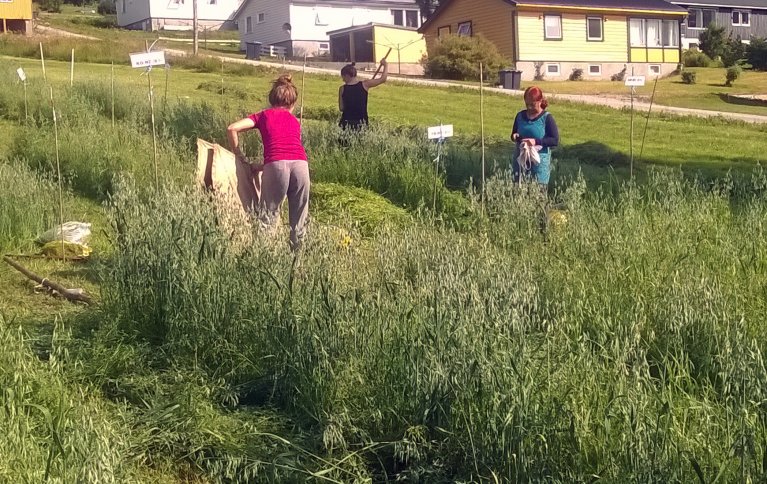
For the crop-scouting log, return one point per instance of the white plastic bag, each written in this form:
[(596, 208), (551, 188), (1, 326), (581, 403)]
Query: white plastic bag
[(74, 232), (528, 156)]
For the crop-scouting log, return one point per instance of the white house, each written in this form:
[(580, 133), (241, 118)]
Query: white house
[(302, 26), (175, 14)]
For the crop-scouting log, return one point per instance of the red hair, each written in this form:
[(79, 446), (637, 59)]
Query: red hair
[(536, 95)]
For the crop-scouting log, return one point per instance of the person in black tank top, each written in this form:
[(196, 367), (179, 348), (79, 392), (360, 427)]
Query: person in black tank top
[(353, 96)]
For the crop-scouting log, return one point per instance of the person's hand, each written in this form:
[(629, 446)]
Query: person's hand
[(255, 168), (514, 136), (384, 63), (529, 141)]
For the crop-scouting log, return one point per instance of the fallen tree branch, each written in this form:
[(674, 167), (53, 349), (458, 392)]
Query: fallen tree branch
[(69, 294)]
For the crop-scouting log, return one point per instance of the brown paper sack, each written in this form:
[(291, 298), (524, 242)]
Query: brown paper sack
[(218, 170)]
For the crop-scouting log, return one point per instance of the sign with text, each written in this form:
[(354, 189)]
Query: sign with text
[(439, 132), (148, 59), (22, 74), (635, 81)]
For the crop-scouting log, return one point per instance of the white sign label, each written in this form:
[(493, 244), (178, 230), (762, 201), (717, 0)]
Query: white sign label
[(147, 59), (6, 1), (21, 74), (635, 81), (444, 131)]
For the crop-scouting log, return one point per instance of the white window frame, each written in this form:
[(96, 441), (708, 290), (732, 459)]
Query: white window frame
[(642, 31), (675, 31), (654, 67), (598, 72), (464, 29), (601, 29), (558, 70), (546, 29), (248, 24), (740, 13), (261, 18)]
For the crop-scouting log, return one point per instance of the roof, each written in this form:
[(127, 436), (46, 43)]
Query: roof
[(355, 28), (341, 3), (725, 3), (625, 5)]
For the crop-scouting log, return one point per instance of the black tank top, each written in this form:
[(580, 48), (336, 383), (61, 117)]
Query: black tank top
[(355, 98)]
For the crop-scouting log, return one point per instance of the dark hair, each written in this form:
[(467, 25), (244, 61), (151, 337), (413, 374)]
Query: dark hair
[(537, 95), (284, 93), (349, 70)]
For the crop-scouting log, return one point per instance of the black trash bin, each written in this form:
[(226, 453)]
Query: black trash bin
[(510, 79), (253, 50)]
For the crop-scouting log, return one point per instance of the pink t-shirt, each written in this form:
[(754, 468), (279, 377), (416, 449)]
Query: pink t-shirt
[(280, 133)]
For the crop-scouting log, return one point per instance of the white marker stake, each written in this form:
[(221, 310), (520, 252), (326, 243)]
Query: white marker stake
[(72, 69), (58, 172), (438, 133), (147, 60), (113, 94), (23, 77), (42, 61), (632, 82)]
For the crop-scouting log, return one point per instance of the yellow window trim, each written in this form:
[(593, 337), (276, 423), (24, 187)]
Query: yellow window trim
[(597, 10)]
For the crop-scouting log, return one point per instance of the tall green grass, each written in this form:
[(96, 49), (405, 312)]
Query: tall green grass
[(28, 206), (625, 344)]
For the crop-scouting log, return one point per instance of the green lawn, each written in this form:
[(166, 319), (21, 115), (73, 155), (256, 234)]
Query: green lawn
[(708, 93)]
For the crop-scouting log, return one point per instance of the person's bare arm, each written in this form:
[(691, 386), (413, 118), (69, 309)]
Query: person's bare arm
[(341, 98), (368, 83), (233, 135)]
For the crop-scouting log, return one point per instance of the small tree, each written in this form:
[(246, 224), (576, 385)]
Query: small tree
[(733, 73), (712, 41), (107, 7), (689, 77), (458, 57), (756, 53), (734, 51)]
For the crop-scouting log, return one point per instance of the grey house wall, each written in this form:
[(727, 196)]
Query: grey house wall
[(723, 18)]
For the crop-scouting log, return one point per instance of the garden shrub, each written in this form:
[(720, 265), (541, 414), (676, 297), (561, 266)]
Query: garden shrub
[(577, 74), (107, 7), (733, 73), (696, 58), (458, 57), (689, 77), (756, 53)]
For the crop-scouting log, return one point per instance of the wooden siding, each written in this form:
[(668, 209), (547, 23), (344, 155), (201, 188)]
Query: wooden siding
[(655, 56), (16, 10), (723, 18), (411, 44), (490, 18), (574, 46)]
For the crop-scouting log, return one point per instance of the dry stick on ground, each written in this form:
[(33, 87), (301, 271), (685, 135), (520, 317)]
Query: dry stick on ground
[(69, 294)]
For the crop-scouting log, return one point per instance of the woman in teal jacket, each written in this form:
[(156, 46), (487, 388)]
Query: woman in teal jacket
[(535, 127)]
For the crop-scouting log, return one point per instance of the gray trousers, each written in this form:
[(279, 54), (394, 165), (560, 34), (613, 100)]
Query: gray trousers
[(280, 179)]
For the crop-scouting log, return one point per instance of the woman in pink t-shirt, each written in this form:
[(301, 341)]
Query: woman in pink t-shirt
[(286, 170)]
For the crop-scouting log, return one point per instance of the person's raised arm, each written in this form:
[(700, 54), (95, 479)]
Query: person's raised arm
[(233, 135), (368, 83), (341, 98)]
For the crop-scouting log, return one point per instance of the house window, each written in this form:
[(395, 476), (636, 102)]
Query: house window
[(741, 18), (552, 27), (261, 18), (552, 69), (653, 33), (595, 70), (594, 28), (443, 31), (700, 18), (654, 69), (670, 33), (324, 45), (398, 17), (249, 25), (464, 29), (411, 18)]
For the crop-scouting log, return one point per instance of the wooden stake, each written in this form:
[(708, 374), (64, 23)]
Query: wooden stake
[(42, 61), (113, 94), (647, 121), (303, 83), (72, 69), (482, 125), (154, 130), (26, 108), (58, 170), (69, 294)]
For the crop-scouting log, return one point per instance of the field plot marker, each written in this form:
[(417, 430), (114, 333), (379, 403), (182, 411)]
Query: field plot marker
[(147, 60), (113, 94), (439, 133), (632, 82), (482, 126), (23, 78), (647, 121), (58, 171), (42, 62), (72, 69), (303, 84)]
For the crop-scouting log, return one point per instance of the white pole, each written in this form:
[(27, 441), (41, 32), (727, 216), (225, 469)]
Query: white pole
[(42, 61), (58, 172), (72, 69), (26, 108), (482, 125)]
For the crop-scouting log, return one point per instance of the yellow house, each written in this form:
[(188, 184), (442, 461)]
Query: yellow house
[(549, 39), (16, 16), (369, 43)]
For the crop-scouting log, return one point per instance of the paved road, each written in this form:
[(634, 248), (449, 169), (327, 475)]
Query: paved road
[(611, 102)]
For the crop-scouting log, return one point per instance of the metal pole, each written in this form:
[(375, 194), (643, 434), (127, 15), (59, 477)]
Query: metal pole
[(196, 37), (72, 69)]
